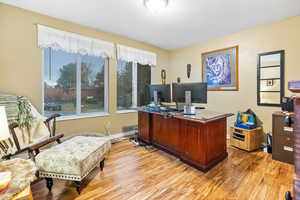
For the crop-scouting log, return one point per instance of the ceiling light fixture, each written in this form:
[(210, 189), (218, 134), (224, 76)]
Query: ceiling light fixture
[(156, 5)]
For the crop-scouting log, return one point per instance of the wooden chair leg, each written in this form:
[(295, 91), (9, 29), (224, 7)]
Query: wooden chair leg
[(102, 164), (288, 196), (78, 186), (49, 183)]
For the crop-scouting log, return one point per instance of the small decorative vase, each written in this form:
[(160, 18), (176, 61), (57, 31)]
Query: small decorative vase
[(163, 76), (188, 70)]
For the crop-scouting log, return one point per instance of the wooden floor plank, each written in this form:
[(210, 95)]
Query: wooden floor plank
[(137, 173)]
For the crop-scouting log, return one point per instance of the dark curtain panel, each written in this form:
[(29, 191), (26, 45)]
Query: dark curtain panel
[(143, 80)]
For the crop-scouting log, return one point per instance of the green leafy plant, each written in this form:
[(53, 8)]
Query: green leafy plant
[(25, 117)]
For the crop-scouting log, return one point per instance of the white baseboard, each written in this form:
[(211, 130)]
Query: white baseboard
[(118, 135)]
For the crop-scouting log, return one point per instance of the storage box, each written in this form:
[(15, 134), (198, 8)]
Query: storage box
[(246, 139)]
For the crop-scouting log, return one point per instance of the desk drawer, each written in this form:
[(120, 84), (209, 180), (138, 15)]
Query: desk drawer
[(284, 154), (283, 139)]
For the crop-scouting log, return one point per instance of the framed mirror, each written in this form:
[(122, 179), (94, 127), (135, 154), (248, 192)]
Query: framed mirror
[(270, 78)]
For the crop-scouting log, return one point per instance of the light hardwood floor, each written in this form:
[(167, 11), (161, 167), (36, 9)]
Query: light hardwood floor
[(136, 173)]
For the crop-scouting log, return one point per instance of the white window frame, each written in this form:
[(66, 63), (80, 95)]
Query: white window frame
[(78, 114), (134, 90), (134, 84)]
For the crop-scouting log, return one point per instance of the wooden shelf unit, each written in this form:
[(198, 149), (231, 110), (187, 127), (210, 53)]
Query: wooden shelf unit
[(246, 139)]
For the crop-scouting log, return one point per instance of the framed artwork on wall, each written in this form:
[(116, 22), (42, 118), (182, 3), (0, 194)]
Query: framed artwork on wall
[(220, 69)]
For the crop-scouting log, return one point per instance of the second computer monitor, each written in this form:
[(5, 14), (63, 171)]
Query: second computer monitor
[(198, 92), (163, 92)]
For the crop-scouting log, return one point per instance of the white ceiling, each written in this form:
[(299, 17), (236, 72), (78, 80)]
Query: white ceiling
[(182, 23)]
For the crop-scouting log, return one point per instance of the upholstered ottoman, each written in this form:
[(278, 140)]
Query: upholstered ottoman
[(73, 159)]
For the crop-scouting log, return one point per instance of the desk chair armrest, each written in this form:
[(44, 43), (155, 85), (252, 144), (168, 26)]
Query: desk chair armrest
[(52, 129), (54, 116), (44, 142), (34, 149)]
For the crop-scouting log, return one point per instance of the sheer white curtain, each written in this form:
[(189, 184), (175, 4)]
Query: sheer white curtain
[(130, 54), (73, 43)]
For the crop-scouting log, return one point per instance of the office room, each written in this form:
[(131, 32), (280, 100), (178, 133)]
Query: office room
[(149, 100)]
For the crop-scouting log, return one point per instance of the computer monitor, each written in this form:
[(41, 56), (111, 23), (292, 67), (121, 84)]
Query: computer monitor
[(193, 92), (160, 93)]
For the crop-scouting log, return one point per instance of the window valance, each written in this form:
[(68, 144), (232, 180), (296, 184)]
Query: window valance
[(130, 54), (73, 43)]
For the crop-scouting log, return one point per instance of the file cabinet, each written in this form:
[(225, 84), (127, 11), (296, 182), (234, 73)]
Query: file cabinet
[(282, 139)]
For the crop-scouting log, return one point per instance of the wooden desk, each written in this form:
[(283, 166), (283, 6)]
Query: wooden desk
[(199, 143)]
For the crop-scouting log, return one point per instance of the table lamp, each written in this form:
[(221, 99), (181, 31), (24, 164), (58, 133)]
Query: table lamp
[(5, 176), (4, 131)]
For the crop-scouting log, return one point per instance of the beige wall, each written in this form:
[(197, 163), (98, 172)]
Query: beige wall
[(280, 35), (21, 65)]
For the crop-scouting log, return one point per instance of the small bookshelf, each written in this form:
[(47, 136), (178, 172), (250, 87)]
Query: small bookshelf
[(246, 139)]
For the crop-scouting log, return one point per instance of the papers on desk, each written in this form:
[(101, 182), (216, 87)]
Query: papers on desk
[(207, 114)]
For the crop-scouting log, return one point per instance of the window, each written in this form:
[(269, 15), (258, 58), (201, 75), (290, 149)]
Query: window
[(132, 79), (74, 84), (125, 86), (143, 81)]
